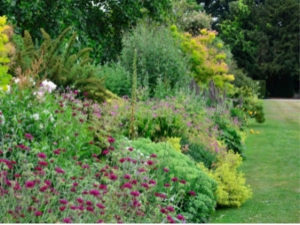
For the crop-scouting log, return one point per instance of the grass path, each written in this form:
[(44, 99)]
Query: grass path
[(272, 168)]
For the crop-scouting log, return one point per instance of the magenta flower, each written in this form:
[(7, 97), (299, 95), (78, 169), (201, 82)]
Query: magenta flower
[(141, 170), (150, 162), (80, 200), (56, 151), (105, 152), (166, 170), (145, 185), (110, 139), (63, 201), (127, 176), (130, 149), (88, 202), (48, 182), (67, 220), (59, 170), (167, 185), (90, 208), (41, 155), (113, 176), (62, 208), (43, 163), (94, 192), (44, 188), (160, 195), (170, 208), (122, 160), (133, 182), (103, 187), (170, 219), (135, 193), (174, 179), (100, 206), (29, 184), (28, 136), (153, 182), (38, 213), (180, 217), (17, 187), (100, 221), (153, 155), (127, 185), (182, 181), (164, 211), (192, 193)]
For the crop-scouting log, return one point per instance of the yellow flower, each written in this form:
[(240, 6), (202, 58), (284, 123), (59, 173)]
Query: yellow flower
[(252, 131)]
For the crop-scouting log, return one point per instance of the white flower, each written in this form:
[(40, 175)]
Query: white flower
[(48, 86), (41, 126), (17, 80), (51, 118), (36, 116)]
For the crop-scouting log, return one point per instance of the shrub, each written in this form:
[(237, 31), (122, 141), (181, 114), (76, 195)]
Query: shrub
[(158, 54), (175, 143), (200, 202), (116, 77), (232, 190), (4, 51)]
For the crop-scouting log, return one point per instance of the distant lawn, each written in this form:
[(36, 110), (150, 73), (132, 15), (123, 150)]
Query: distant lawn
[(272, 168)]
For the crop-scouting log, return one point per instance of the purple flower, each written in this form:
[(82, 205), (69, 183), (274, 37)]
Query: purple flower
[(94, 192), (100, 206), (59, 170), (180, 217), (41, 155), (135, 193), (29, 184), (67, 220), (28, 136), (127, 185), (63, 201)]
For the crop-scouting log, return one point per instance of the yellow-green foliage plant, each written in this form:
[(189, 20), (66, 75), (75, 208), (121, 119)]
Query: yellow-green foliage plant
[(232, 190), (175, 143), (4, 51), (207, 60)]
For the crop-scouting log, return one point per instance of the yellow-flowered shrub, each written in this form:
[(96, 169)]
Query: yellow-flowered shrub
[(175, 143), (232, 190), (4, 51)]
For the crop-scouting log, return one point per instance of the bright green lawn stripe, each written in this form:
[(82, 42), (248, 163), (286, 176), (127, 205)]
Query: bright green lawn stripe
[(272, 168)]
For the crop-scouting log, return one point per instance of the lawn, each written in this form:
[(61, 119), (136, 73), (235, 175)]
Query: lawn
[(272, 168)]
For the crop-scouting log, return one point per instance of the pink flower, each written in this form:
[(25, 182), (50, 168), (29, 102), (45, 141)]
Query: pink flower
[(145, 185), (127, 176), (28, 136), (122, 160), (180, 217), (44, 188), (166, 170), (29, 184), (133, 182), (182, 181), (63, 201), (73, 207), (48, 182), (38, 213), (135, 193), (100, 206), (127, 185), (164, 211), (160, 195), (56, 151), (59, 170), (41, 155), (67, 220), (141, 170), (17, 187), (89, 203), (94, 192), (100, 221), (90, 208), (130, 149)]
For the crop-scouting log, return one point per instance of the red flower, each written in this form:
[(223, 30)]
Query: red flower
[(28, 136), (29, 184), (63, 201), (180, 217), (130, 149), (59, 170), (100, 206), (41, 155), (135, 193), (38, 213)]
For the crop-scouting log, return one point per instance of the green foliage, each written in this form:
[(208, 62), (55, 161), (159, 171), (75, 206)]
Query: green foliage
[(232, 190), (159, 59), (175, 143), (4, 60), (199, 153), (196, 208), (117, 78), (59, 64)]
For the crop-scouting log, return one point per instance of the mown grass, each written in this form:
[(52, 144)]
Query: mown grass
[(272, 168)]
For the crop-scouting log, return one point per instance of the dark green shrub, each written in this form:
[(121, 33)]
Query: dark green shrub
[(158, 56)]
